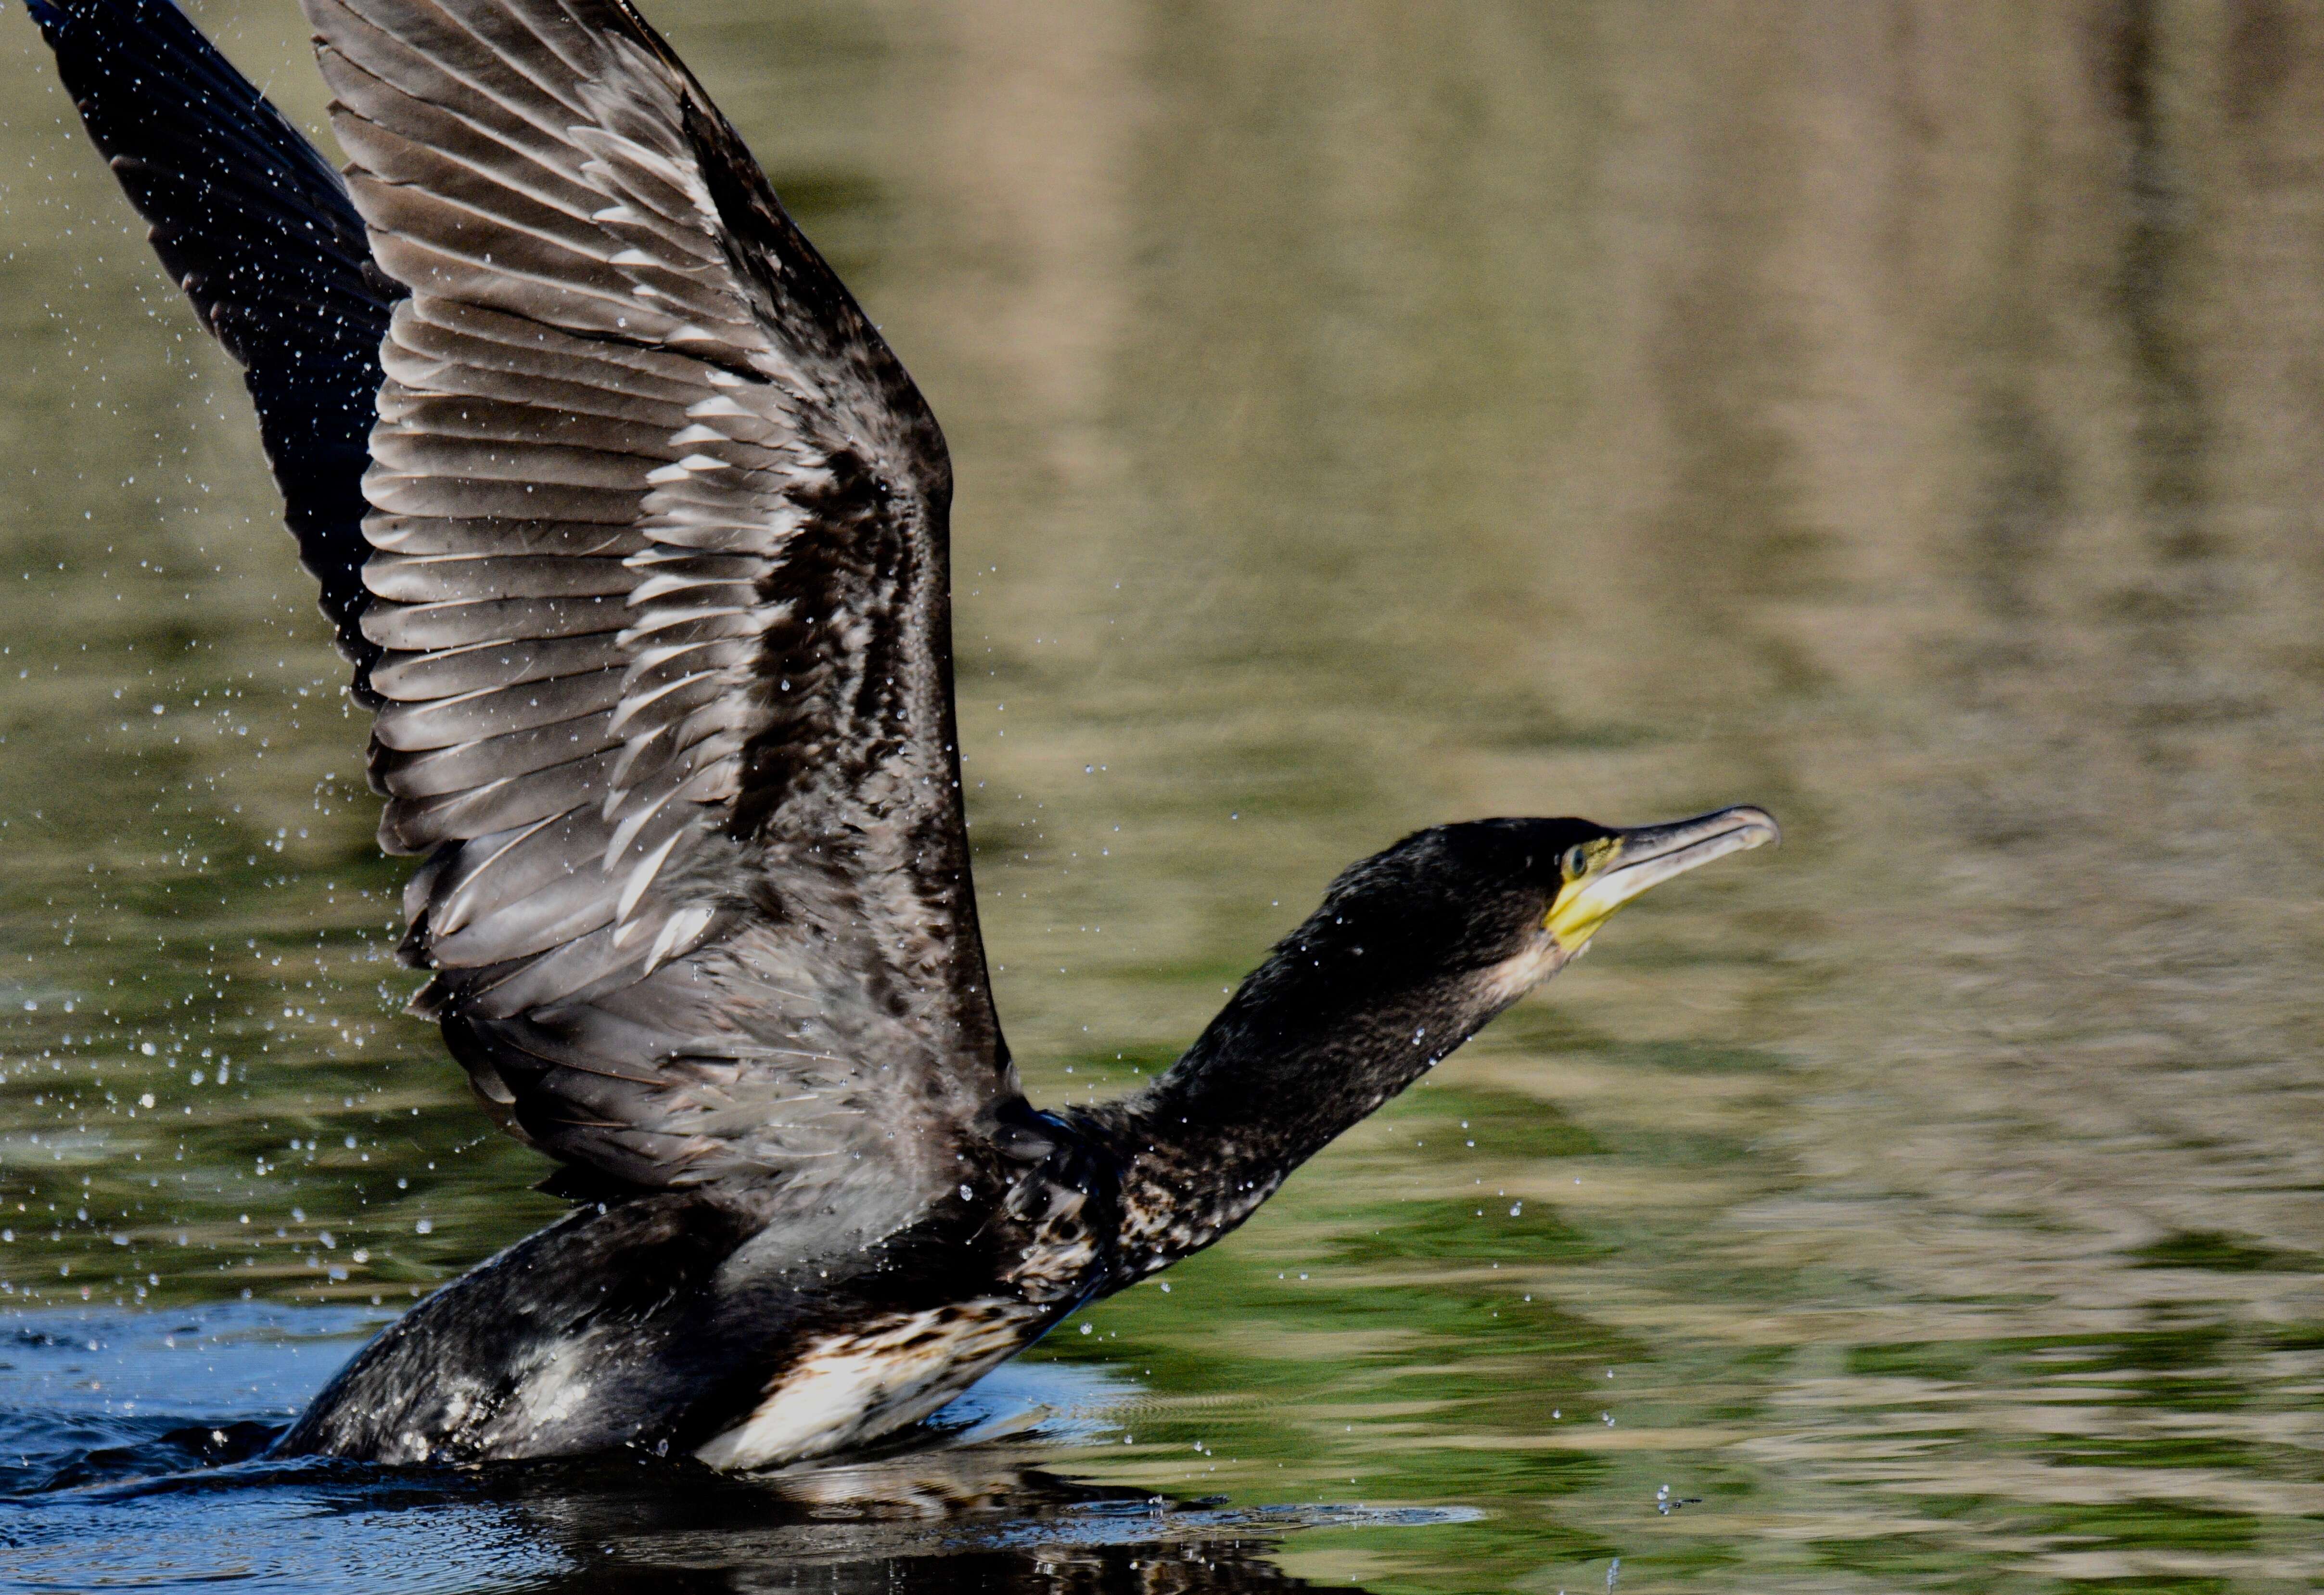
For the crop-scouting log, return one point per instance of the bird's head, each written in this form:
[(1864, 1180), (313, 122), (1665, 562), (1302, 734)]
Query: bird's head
[(1412, 950), (1492, 908)]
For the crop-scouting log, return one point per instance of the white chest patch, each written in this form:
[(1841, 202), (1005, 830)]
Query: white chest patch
[(846, 1389), (1512, 978)]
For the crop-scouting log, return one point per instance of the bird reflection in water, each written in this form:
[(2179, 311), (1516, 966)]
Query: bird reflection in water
[(935, 1512), (977, 1517)]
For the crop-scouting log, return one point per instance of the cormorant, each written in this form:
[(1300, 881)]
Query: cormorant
[(634, 532)]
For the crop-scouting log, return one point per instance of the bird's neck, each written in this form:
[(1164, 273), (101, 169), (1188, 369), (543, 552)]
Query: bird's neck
[(1289, 1066)]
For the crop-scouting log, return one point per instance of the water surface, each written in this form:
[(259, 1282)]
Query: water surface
[(1906, 416)]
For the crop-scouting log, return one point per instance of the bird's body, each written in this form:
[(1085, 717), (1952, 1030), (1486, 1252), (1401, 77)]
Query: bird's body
[(674, 1323), (634, 532)]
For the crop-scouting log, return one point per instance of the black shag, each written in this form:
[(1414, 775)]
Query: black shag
[(634, 532)]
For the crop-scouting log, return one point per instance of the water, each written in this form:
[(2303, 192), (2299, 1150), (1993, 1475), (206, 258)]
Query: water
[(1904, 417)]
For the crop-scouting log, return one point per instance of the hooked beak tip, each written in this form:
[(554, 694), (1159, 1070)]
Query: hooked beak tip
[(1648, 855), (1758, 827)]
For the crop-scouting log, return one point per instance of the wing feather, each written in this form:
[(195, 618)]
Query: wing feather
[(456, 576), (463, 766), (416, 825), (659, 573), (431, 534), (470, 718), (455, 624)]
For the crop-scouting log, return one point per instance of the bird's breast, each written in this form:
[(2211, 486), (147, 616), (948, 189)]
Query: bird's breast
[(1011, 1267), (848, 1387)]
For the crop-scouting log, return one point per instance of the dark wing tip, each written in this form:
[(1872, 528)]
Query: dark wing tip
[(255, 228)]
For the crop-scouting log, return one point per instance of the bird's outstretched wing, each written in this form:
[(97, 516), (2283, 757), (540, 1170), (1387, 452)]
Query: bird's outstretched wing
[(657, 581), (660, 574), (256, 227)]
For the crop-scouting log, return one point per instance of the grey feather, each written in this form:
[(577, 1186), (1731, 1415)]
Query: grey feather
[(415, 825), (470, 765), (415, 626), (431, 534), (495, 712), (562, 911)]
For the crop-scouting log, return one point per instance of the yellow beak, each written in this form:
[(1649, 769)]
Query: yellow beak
[(1622, 866)]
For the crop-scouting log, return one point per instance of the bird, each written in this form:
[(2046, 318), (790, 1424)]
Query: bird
[(634, 531)]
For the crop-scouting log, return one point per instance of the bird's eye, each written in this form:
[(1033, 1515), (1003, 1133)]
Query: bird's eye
[(1574, 862)]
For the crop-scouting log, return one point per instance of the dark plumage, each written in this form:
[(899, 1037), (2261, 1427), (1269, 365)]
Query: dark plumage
[(253, 223), (635, 531)]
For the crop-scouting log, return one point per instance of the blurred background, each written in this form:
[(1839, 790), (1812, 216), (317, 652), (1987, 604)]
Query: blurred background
[(1903, 413)]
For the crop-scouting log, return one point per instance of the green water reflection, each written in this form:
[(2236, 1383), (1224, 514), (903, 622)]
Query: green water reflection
[(1903, 416)]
